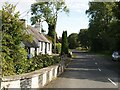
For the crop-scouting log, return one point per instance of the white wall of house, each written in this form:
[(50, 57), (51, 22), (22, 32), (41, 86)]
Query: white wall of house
[(43, 46), (39, 49), (42, 49), (49, 48), (32, 51)]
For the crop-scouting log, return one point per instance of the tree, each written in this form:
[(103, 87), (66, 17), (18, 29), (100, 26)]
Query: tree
[(101, 17), (58, 48), (116, 25), (14, 56), (73, 41), (64, 48), (83, 37), (48, 11)]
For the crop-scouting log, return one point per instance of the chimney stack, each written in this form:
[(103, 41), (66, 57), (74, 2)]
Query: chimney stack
[(38, 26)]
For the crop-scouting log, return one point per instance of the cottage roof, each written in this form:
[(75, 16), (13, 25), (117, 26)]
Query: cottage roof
[(31, 44), (37, 35)]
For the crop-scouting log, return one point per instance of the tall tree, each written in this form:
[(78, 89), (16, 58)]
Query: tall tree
[(64, 48), (48, 11), (101, 16), (115, 26)]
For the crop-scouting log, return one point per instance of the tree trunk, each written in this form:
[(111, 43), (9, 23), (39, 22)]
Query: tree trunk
[(51, 30)]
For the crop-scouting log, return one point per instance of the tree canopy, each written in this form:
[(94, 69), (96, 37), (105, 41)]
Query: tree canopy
[(73, 41), (103, 26), (48, 11), (83, 37)]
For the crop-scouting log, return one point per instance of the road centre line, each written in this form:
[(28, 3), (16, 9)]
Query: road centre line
[(99, 69), (96, 63), (112, 82)]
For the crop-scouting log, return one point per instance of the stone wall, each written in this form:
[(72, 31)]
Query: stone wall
[(36, 79)]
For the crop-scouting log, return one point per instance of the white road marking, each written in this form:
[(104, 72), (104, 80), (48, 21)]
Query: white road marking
[(112, 82), (99, 69), (96, 63)]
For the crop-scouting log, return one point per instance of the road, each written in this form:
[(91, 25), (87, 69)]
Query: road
[(89, 71)]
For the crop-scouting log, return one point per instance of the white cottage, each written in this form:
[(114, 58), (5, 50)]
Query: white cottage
[(40, 43)]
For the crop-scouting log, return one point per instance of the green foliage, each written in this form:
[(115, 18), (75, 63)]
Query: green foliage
[(21, 64), (116, 10), (83, 37), (42, 61), (58, 48), (13, 33), (14, 56), (116, 26), (64, 48), (73, 41), (48, 11), (104, 27)]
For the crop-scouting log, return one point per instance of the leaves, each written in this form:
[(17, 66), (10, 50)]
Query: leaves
[(13, 33), (83, 37), (42, 61), (73, 41), (103, 27), (64, 49), (48, 11)]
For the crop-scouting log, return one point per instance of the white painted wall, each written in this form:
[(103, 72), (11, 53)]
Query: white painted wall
[(49, 51), (32, 51), (15, 82), (35, 82), (39, 49), (43, 47)]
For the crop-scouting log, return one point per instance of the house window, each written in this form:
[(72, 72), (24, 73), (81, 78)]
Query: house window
[(41, 46)]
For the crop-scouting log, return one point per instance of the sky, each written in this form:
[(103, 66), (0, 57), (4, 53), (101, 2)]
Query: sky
[(72, 22)]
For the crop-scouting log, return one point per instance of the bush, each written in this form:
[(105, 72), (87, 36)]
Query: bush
[(42, 61), (64, 48), (58, 48), (28, 65), (13, 55)]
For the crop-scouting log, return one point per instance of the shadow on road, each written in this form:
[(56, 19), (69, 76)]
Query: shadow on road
[(83, 67)]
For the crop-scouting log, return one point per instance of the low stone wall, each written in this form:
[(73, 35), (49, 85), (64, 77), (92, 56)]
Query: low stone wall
[(36, 79)]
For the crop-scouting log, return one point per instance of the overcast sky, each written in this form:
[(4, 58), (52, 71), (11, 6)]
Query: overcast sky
[(73, 22)]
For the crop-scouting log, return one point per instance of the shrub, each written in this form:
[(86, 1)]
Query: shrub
[(28, 65), (42, 61), (64, 48), (58, 48), (13, 55)]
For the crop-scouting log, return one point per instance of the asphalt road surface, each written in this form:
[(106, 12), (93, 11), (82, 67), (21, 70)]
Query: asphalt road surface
[(89, 71)]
